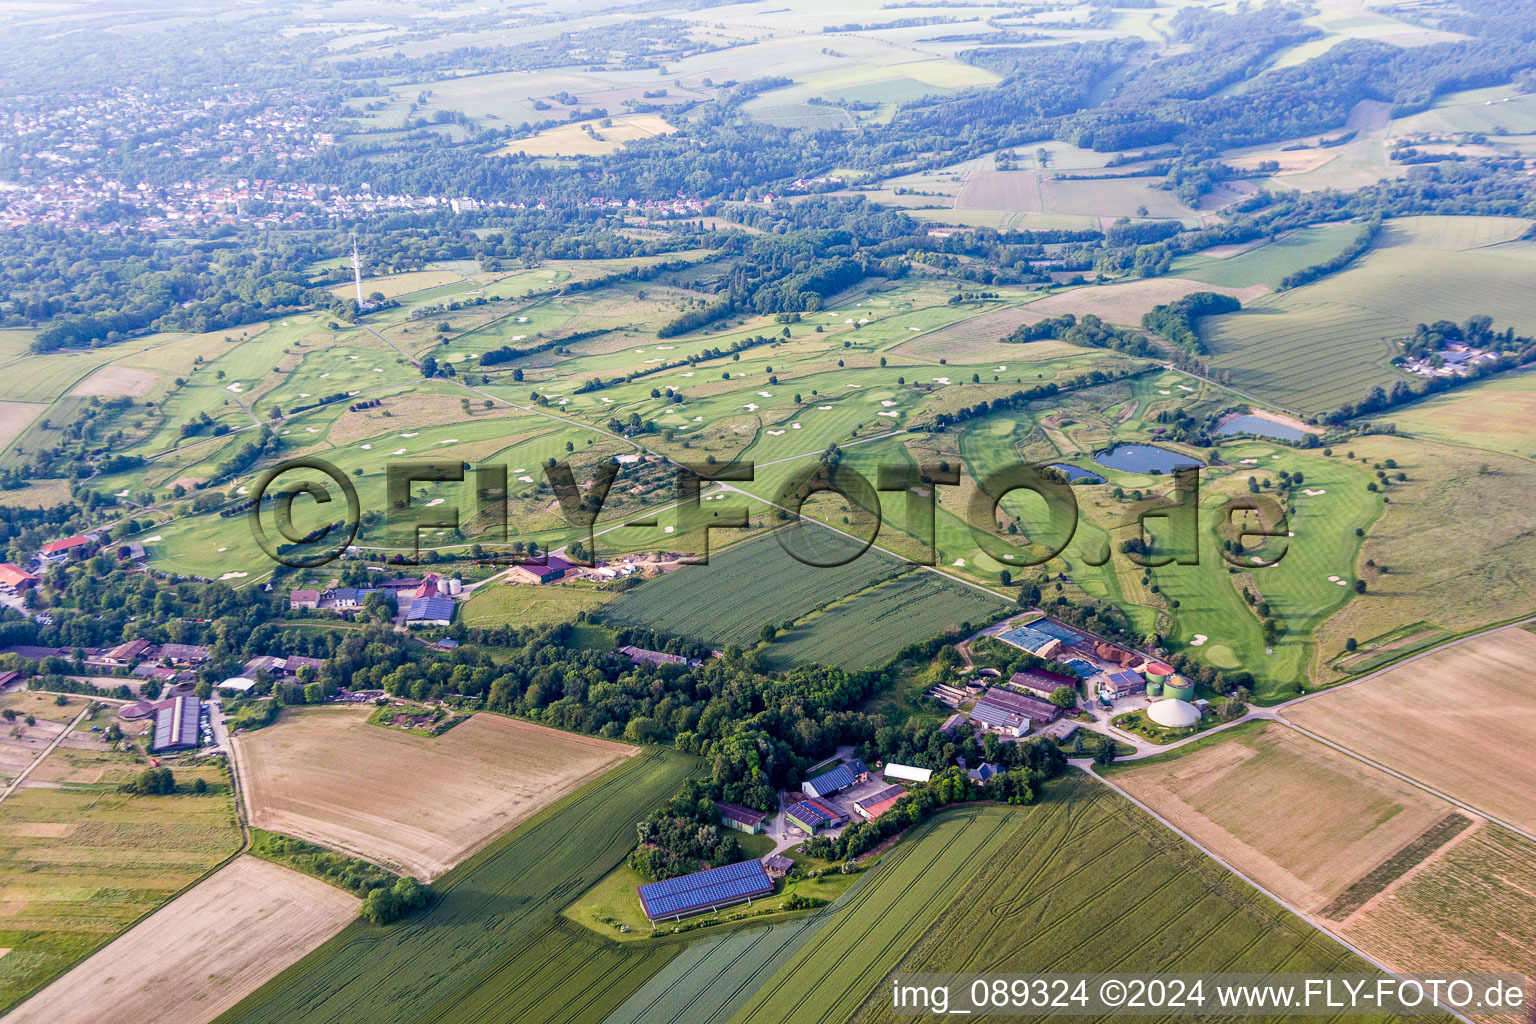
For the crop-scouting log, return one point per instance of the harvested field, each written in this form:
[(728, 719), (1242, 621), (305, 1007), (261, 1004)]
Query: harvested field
[(197, 957), (1472, 907), (1299, 818), (1404, 719), (115, 382), (1126, 303), (573, 139), (1041, 192), (420, 804), (15, 417)]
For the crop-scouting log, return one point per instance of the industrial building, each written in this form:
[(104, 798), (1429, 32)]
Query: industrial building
[(742, 819), (676, 898), (14, 579), (838, 779), (176, 725), (1012, 713), (554, 568), (1121, 683)]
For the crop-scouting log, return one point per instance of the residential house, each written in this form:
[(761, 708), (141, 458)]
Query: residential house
[(303, 599)]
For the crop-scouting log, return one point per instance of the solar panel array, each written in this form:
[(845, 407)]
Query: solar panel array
[(431, 608), (704, 889), (830, 782)]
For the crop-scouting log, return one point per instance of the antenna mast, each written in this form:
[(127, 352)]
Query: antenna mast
[(357, 269)]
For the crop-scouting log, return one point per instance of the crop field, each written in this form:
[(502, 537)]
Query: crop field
[(1087, 879), (201, 954), (82, 862), (466, 786), (1127, 302), (1493, 414), (1470, 907), (877, 922), (491, 944), (1268, 263), (756, 581), (1299, 818), (711, 978), (1315, 347), (591, 138), (801, 115), (1039, 192), (1402, 718), (866, 629)]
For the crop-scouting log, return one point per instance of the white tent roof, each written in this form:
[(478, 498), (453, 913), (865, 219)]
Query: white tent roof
[(1174, 714), (907, 772), (238, 683)]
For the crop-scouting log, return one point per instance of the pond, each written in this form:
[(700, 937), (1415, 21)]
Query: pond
[(1144, 458), (1261, 426), (1077, 474)]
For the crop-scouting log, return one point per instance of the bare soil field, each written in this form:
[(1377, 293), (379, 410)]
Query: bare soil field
[(1126, 303), (16, 417), (1304, 821), (201, 954), (1447, 719), (117, 381), (1037, 192), (415, 803)]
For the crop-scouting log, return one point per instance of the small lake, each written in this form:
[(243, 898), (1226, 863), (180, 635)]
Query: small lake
[(1262, 427), (1077, 474), (1144, 458)]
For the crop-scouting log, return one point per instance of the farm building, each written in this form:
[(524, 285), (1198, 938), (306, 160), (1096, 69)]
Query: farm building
[(430, 611), (641, 656), (1033, 640), (14, 579), (303, 599), (871, 807), (239, 684), (176, 725), (1040, 682), (1012, 713), (346, 598), (126, 653), (836, 780), (906, 773), (996, 718), (554, 568), (778, 865), (1120, 683), (61, 550), (811, 815), (742, 819), (295, 664), (676, 898), (983, 772), (185, 654)]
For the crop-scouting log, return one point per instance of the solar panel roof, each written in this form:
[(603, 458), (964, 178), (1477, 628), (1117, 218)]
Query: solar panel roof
[(705, 889)]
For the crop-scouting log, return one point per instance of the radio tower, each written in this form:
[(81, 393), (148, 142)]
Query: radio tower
[(357, 270)]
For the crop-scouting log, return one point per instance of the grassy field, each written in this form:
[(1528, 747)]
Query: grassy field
[(867, 629), (465, 786), (504, 604), (591, 138), (491, 945), (83, 862), (1315, 347), (200, 955), (756, 581), (1494, 415), (1299, 818), (1444, 719)]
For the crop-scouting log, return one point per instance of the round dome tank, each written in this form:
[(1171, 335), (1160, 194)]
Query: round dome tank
[(1174, 714)]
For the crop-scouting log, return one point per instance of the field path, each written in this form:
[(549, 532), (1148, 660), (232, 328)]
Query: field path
[(17, 781)]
